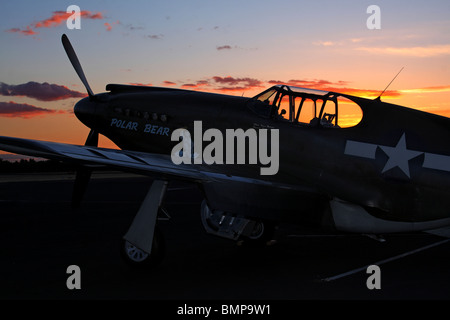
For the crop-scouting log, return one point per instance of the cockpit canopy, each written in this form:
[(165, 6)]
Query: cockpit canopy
[(307, 106)]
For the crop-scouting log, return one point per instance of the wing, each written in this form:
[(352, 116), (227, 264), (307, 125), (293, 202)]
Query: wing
[(100, 157), (125, 160)]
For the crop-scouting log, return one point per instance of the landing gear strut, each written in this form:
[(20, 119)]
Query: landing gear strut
[(143, 244)]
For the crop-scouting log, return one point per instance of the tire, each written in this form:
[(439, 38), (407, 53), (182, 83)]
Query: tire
[(262, 232), (137, 258)]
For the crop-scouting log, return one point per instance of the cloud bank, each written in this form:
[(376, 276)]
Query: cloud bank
[(22, 110), (56, 19), (39, 91)]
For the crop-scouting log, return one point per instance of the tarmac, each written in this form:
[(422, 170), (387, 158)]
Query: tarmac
[(41, 236)]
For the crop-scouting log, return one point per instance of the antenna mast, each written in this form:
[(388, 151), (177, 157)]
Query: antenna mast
[(379, 97)]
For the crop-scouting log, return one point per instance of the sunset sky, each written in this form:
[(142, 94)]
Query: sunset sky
[(232, 47)]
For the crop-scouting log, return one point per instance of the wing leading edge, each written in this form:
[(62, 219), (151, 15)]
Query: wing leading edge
[(124, 160)]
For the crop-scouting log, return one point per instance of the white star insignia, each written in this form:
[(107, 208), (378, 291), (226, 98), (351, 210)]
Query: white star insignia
[(399, 156)]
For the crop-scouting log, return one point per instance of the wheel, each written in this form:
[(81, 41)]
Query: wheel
[(138, 258), (258, 231), (262, 232)]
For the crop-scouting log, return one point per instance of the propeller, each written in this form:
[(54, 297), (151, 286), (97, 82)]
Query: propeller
[(76, 64), (83, 174)]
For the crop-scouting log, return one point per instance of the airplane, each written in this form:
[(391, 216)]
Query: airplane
[(387, 172)]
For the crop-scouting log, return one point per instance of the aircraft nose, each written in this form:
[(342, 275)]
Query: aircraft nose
[(85, 109)]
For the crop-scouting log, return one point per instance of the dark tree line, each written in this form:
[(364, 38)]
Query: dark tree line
[(31, 165)]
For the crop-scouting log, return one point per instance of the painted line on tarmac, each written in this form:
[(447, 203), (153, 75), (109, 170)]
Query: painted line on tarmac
[(378, 263), (181, 188)]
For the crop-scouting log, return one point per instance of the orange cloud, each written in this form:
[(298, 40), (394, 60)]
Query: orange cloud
[(325, 43), (141, 84), (13, 110), (365, 93), (326, 85), (109, 25), (60, 17), (421, 52), (189, 85), (27, 32), (317, 84), (222, 84), (198, 84), (232, 84), (428, 90), (237, 84), (57, 18), (40, 91)]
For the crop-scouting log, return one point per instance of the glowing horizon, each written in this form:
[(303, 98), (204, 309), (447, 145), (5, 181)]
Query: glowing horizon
[(216, 48)]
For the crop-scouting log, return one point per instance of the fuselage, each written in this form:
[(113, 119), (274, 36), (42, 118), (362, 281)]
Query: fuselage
[(395, 162)]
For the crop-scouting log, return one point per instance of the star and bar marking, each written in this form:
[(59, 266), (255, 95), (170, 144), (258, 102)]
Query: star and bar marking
[(399, 155)]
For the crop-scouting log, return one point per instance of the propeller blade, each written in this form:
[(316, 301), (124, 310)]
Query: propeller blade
[(92, 139), (81, 182), (76, 63), (83, 175)]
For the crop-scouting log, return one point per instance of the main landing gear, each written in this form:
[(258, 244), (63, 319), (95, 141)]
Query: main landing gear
[(143, 245), (226, 225), (136, 257)]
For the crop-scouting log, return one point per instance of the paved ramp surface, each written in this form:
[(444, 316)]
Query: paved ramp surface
[(41, 236)]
